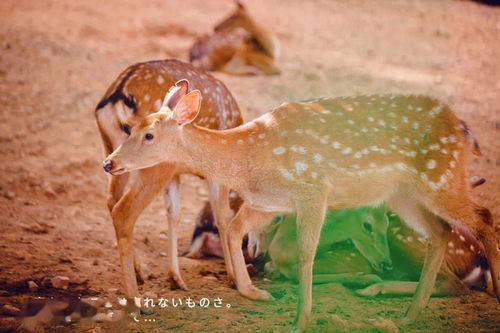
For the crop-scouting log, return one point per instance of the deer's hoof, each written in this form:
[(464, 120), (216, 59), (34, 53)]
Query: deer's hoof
[(257, 294), (404, 321), (176, 281), (370, 291)]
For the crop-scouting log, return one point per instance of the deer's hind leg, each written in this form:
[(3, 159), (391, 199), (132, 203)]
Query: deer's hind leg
[(437, 232)]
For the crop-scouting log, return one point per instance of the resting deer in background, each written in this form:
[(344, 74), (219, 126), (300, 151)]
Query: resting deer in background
[(303, 158), (238, 46), (137, 92)]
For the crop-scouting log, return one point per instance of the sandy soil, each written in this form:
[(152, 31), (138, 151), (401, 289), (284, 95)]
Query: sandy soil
[(58, 57)]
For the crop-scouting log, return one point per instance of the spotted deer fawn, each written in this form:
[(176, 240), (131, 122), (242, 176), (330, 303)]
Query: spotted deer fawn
[(303, 158), (464, 267), (238, 46), (137, 92)]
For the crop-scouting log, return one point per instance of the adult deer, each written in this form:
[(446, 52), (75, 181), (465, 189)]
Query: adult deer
[(137, 92), (302, 158), (238, 46)]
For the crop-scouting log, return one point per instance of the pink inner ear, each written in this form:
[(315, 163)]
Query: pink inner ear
[(188, 107), (176, 93)]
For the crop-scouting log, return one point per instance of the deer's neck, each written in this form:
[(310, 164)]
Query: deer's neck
[(217, 155)]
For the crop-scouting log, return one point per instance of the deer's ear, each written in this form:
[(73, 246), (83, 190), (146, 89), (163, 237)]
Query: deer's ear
[(175, 93), (188, 108)]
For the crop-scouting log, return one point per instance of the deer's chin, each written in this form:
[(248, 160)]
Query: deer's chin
[(119, 171)]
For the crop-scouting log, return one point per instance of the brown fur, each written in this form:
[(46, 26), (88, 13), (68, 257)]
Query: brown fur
[(137, 92), (304, 158), (237, 46)]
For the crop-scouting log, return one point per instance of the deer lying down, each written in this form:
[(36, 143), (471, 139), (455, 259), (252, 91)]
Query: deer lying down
[(205, 240), (465, 266), (330, 153), (237, 46), (137, 92), (355, 265)]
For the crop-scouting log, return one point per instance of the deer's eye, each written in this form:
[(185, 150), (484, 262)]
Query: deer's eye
[(149, 136), (126, 128), (367, 226)]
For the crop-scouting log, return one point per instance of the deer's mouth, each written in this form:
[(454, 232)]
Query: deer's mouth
[(118, 171)]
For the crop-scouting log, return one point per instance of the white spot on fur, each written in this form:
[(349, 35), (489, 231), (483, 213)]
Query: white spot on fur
[(300, 167), (279, 150), (431, 164), (158, 104), (346, 150), (160, 80), (336, 145), (286, 174), (450, 244), (317, 158)]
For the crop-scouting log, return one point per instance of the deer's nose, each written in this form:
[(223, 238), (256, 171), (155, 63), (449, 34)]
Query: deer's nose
[(107, 165), (387, 266)]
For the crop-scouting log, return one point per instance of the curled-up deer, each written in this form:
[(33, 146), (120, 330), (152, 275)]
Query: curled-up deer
[(330, 153), (385, 258), (137, 92), (237, 46)]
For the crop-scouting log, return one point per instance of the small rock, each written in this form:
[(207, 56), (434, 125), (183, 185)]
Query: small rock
[(9, 310), (60, 282), (48, 190), (37, 228), (65, 260), (163, 235), (385, 325), (9, 195), (210, 277), (32, 286), (150, 294), (337, 324), (163, 254)]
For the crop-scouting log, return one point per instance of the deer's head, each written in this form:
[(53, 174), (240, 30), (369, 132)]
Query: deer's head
[(156, 138), (367, 228)]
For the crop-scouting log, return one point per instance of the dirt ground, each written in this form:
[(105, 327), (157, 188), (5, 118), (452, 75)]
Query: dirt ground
[(58, 57)]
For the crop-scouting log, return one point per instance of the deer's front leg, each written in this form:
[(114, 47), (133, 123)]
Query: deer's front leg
[(116, 188), (219, 200), (246, 219), (144, 187), (310, 217), (172, 205)]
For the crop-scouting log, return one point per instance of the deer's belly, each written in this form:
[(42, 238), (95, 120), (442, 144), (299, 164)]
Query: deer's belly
[(267, 202), (351, 192)]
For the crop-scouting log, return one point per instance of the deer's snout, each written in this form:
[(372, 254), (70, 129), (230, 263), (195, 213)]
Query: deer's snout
[(387, 266), (107, 165)]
